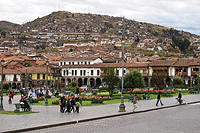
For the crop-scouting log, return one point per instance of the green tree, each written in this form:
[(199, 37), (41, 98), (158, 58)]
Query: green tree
[(158, 79), (133, 79), (181, 43), (110, 79), (73, 84), (177, 82)]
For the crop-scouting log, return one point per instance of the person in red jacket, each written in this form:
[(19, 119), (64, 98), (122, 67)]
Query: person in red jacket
[(10, 98)]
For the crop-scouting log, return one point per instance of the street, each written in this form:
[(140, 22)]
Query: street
[(181, 119)]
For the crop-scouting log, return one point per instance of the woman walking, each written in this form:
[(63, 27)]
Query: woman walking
[(134, 102)]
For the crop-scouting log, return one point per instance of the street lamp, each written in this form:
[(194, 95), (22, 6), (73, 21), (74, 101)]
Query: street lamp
[(2, 63), (122, 106), (148, 67), (26, 76), (46, 101)]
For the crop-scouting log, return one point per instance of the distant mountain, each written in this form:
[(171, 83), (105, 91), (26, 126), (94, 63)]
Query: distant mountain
[(8, 26), (63, 21)]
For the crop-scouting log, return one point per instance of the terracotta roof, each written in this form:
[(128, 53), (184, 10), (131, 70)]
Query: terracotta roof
[(183, 62), (161, 63)]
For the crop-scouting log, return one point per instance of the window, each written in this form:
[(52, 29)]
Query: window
[(72, 63), (124, 71), (67, 72), (84, 72), (91, 72), (61, 63), (88, 62), (85, 62), (69, 63), (75, 72), (81, 72), (64, 63), (117, 72), (72, 72), (78, 63), (38, 76), (98, 72), (43, 76), (63, 72)]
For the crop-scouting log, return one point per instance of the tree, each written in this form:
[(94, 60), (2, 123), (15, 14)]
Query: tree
[(110, 79), (181, 43), (133, 80), (177, 82), (158, 79), (73, 84)]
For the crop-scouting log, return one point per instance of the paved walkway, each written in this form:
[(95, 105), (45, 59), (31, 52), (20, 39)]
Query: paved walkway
[(51, 115)]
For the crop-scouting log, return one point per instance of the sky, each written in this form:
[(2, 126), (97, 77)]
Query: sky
[(178, 14)]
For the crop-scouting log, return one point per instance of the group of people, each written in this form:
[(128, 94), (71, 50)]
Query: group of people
[(71, 104), (134, 99)]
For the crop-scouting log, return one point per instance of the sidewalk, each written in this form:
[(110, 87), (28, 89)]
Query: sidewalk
[(50, 115)]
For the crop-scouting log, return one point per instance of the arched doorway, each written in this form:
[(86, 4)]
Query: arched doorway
[(85, 81), (92, 82), (98, 82), (80, 82), (14, 86), (68, 81)]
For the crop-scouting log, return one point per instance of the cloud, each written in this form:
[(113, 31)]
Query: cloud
[(172, 13)]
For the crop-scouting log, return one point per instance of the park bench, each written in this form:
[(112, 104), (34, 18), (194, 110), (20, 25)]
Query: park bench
[(24, 107)]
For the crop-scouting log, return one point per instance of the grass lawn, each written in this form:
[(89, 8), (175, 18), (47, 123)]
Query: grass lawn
[(50, 100), (88, 103), (16, 113)]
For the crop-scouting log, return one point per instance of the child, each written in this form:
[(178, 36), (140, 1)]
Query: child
[(77, 106)]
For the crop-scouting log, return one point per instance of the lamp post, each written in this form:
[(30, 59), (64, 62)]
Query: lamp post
[(26, 76), (122, 106), (1, 105), (46, 101), (148, 97)]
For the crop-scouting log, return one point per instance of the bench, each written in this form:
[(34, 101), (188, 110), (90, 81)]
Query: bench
[(23, 107)]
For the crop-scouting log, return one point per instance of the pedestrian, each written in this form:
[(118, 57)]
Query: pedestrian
[(73, 104), (134, 102), (10, 98), (77, 106), (144, 96), (159, 99), (68, 106), (130, 97), (62, 104), (180, 97), (12, 93)]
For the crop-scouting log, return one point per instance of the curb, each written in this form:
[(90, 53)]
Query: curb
[(92, 119)]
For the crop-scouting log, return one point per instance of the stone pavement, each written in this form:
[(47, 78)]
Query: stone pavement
[(49, 115)]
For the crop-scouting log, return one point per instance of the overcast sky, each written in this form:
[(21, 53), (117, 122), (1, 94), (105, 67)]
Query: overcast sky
[(179, 14)]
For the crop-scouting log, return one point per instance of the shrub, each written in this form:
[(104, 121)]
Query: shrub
[(55, 102), (96, 101)]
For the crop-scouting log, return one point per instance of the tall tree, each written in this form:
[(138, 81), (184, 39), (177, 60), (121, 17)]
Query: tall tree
[(158, 79), (177, 82), (110, 79), (133, 79)]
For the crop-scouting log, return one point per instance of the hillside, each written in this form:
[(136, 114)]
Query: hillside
[(8, 26), (63, 21)]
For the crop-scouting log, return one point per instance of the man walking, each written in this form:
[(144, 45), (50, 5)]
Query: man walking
[(159, 99), (179, 97)]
